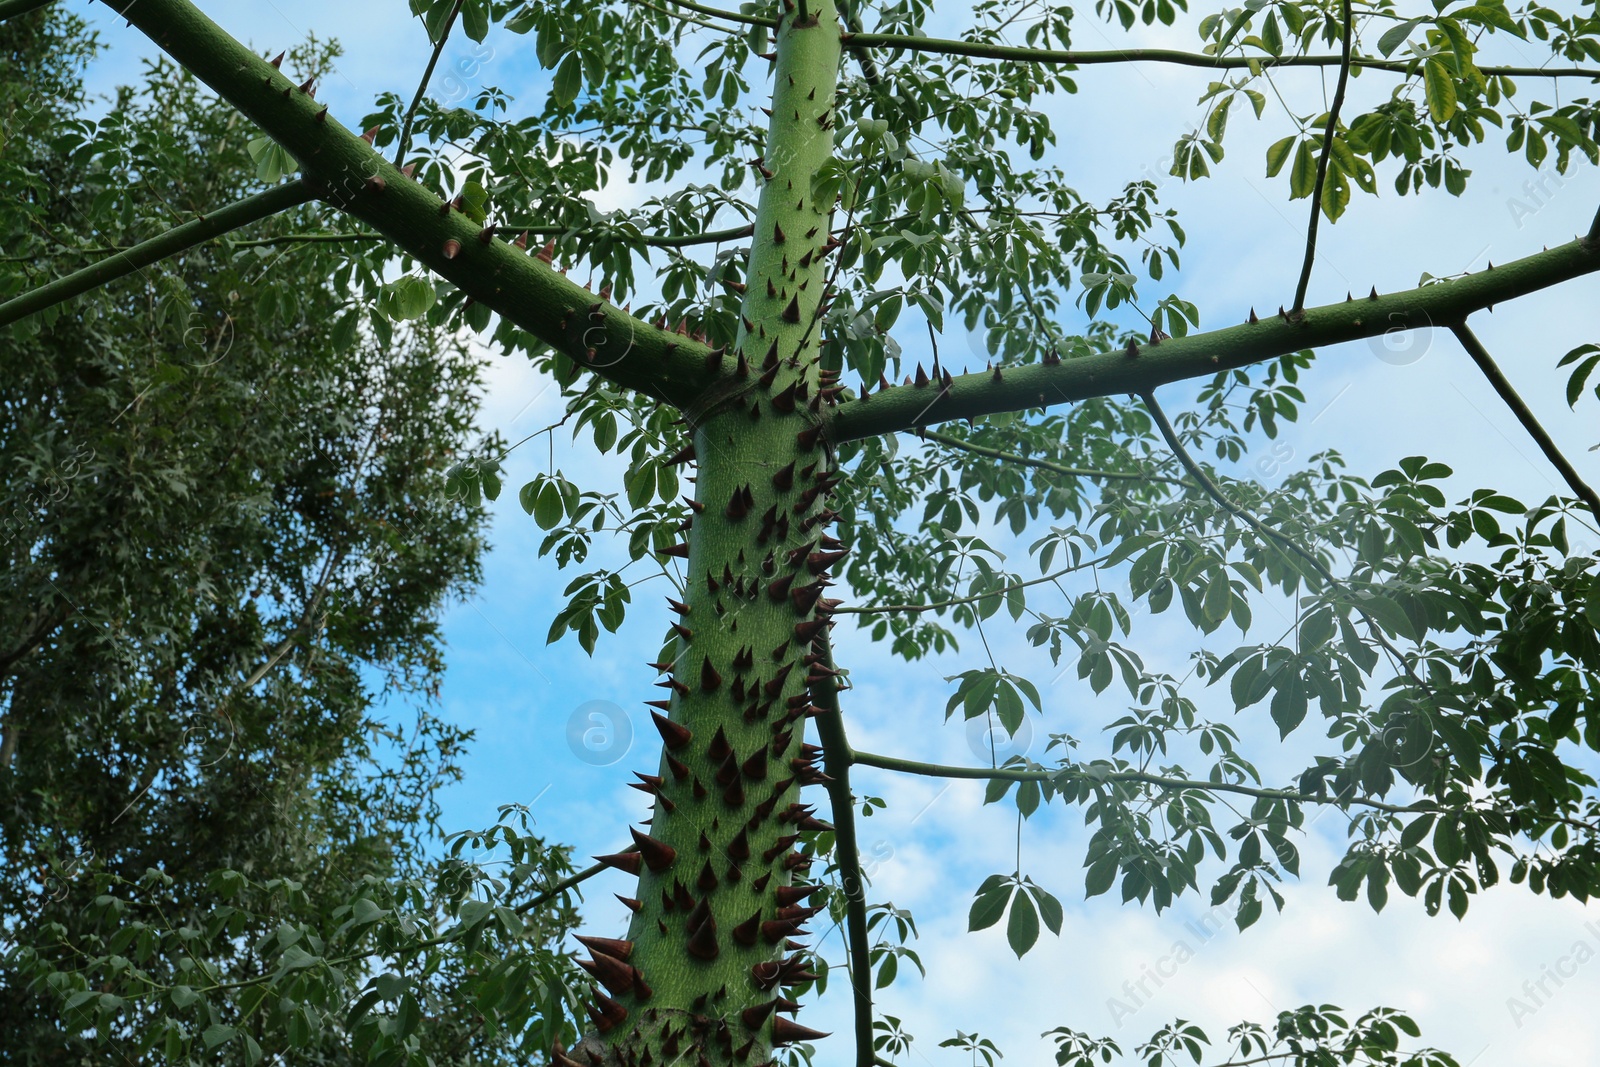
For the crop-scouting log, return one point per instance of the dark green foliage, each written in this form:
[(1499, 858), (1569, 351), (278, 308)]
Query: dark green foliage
[(226, 537)]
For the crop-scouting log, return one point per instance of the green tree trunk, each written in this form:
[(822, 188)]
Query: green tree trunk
[(721, 893)]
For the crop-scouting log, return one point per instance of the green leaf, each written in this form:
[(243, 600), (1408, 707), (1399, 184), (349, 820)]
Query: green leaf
[(474, 201), (408, 297), (1303, 175), (475, 19), (344, 331), (1489, 15), (1440, 84), (1050, 911), (1100, 877), (217, 1034), (1271, 36), (1022, 931), (1416, 830), (1278, 155), (1396, 35), (568, 80), (988, 907), (1219, 597), (272, 160), (548, 507)]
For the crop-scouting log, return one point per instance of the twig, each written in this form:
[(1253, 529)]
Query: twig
[(984, 50), (1322, 166), (733, 233), (202, 229), (565, 884), (1509, 397), (731, 16), (837, 757), (422, 86), (13, 8), (1022, 774), (1216, 494), (1044, 464), (885, 609)]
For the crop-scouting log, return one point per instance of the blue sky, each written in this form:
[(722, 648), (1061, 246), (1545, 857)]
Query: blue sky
[(934, 844)]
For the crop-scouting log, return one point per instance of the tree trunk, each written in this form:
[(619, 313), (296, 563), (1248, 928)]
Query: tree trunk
[(721, 898)]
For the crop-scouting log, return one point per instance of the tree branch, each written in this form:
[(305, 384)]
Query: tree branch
[(422, 86), (1002, 591), (198, 231), (837, 757), (46, 622), (345, 171), (1044, 464), (1021, 774), (1322, 165), (13, 8), (1530, 423), (1212, 490), (1278, 537), (710, 237), (730, 16), (565, 884), (903, 407), (653, 241), (981, 50)]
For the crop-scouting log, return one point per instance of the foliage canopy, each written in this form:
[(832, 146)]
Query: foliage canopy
[(835, 182)]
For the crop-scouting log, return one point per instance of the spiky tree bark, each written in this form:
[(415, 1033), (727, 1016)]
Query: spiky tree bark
[(723, 896)]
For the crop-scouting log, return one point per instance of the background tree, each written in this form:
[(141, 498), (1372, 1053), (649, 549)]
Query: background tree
[(213, 491), (1449, 647)]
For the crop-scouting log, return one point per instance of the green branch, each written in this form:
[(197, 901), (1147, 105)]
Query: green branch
[(1138, 370), (1044, 464), (981, 50), (1285, 543), (202, 229), (667, 241), (1480, 355), (862, 42), (885, 609), (347, 172), (710, 237), (422, 85), (837, 758), (730, 16), (13, 8), (1025, 774), (569, 882), (1322, 163)]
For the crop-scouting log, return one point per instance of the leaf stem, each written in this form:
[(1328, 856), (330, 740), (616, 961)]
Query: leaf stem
[(1508, 396), (422, 86), (1322, 165)]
